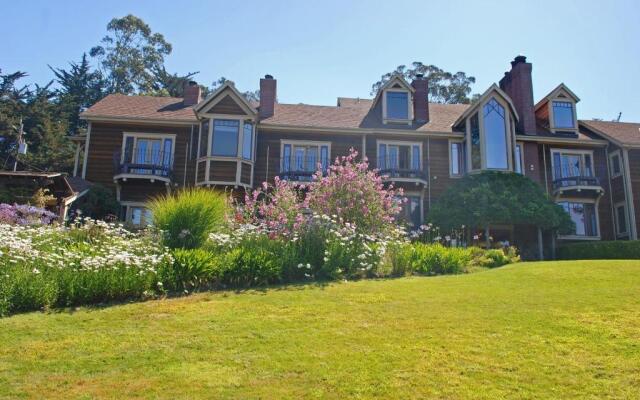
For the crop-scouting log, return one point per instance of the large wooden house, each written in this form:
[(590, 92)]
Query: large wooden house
[(142, 146)]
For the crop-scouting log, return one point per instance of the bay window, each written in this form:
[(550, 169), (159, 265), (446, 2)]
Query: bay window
[(456, 159), (583, 216), (247, 141), (225, 138)]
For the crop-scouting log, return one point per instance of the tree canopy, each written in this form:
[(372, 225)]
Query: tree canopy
[(490, 198), (444, 87)]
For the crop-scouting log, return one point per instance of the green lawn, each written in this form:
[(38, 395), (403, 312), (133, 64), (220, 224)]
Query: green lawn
[(530, 330)]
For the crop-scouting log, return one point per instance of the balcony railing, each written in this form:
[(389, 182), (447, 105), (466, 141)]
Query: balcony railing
[(572, 178), (302, 169), (392, 167), (143, 162)]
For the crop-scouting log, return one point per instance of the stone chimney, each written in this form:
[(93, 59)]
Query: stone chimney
[(267, 96), (518, 85), (192, 94), (420, 99)]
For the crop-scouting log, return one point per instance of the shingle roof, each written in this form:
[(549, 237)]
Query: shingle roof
[(141, 107), (627, 133), (358, 113)]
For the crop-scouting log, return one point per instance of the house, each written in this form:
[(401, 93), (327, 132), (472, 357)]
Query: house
[(143, 146)]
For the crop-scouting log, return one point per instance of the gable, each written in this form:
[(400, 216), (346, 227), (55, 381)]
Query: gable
[(226, 106), (226, 100)]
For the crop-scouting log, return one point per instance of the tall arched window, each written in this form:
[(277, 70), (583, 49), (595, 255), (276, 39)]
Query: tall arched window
[(495, 135)]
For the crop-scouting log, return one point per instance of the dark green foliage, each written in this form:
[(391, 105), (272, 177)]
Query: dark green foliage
[(618, 249), (444, 87), (99, 203), (254, 264), (490, 198), (192, 269)]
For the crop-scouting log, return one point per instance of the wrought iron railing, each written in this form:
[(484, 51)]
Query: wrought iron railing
[(298, 168), (143, 162), (394, 167), (573, 177)]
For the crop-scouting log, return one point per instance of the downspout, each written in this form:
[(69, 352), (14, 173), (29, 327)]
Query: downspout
[(544, 162)]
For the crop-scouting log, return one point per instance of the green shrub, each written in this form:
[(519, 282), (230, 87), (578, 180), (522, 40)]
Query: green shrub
[(493, 258), (187, 217), (191, 269), (254, 262), (398, 259), (618, 249)]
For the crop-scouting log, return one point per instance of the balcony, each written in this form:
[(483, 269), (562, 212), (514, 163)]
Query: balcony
[(301, 169), (401, 170), (143, 163), (574, 182)]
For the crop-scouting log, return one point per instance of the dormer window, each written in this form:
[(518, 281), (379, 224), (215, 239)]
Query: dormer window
[(397, 105), (563, 115)]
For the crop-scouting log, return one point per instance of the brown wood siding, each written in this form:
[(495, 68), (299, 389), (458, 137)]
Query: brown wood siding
[(141, 190), (532, 166), (268, 150), (634, 167), (227, 106), (224, 171), (245, 174), (106, 140), (439, 169), (202, 169)]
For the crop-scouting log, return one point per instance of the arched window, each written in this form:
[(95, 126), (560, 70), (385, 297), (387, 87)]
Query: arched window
[(495, 135)]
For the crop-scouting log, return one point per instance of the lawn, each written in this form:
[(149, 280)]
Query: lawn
[(529, 330)]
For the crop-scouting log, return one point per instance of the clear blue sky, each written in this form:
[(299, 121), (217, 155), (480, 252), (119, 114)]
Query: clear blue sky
[(319, 50)]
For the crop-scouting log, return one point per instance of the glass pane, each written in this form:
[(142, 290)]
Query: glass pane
[(166, 153), (128, 149), (397, 105), (476, 162), (392, 157), (286, 158), (136, 215), (247, 141), (415, 158), (404, 157), (204, 139), (495, 135), (324, 157), (583, 216), (588, 170), (622, 219), (563, 114), (225, 138), (455, 158), (615, 164), (518, 159), (298, 162), (382, 156)]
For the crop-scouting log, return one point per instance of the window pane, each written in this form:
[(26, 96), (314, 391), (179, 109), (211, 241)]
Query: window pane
[(397, 105), (410, 211), (392, 157), (583, 216), (415, 158), (324, 157), (204, 139), (622, 219), (615, 164), (518, 159), (455, 158), (136, 215), (495, 135), (286, 158), (166, 156), (563, 114), (247, 141), (225, 138), (382, 156), (476, 162)]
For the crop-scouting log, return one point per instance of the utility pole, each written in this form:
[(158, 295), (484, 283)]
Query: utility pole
[(22, 146)]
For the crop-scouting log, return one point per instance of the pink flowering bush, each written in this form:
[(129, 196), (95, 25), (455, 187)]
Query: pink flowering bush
[(23, 214), (353, 193)]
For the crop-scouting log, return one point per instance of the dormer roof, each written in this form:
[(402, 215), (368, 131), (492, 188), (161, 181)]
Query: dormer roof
[(229, 99), (560, 91), (493, 89), (396, 81)]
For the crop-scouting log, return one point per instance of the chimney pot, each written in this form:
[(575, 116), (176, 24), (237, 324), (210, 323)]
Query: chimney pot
[(419, 76), (268, 76)]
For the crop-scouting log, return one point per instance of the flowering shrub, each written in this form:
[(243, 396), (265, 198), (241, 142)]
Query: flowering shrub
[(355, 194), (25, 215), (89, 262)]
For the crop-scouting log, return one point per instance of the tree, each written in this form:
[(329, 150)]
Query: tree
[(12, 106), (80, 87), (491, 198), (129, 54), (168, 84), (250, 95), (444, 87)]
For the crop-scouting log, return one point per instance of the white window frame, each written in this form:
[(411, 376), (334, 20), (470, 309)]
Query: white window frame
[(294, 143), (509, 133), (464, 160), (519, 161), (617, 219), (595, 203), (578, 152), (386, 118), (400, 143), (613, 154), (130, 205), (241, 120), (152, 136)]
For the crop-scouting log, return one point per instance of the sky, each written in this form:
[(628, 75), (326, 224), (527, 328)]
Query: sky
[(320, 50)]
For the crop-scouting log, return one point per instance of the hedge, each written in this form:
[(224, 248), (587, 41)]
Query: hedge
[(620, 249)]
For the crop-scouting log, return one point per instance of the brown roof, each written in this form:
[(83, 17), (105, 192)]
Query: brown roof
[(77, 184), (31, 174), (627, 133), (141, 107), (358, 113)]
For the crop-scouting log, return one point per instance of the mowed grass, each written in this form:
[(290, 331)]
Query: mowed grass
[(531, 330)]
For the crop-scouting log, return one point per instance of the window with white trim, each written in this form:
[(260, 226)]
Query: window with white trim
[(571, 163), (622, 221), (518, 159), (300, 159), (563, 114), (397, 104), (583, 216), (615, 163), (147, 153), (139, 216), (495, 132), (225, 137), (397, 156), (247, 141)]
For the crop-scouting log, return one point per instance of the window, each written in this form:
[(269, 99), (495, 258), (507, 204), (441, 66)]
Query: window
[(567, 164), (397, 104), (518, 159), (621, 219), (204, 138), (495, 135), (616, 166), (147, 154), (563, 115), (247, 141), (399, 156), (456, 155), (584, 217), (300, 160), (225, 138), (140, 216), (411, 211), (476, 158)]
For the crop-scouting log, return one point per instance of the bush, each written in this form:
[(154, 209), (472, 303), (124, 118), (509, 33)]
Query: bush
[(187, 217), (618, 249), (25, 215), (254, 262), (98, 203)]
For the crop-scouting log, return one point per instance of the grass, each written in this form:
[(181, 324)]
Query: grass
[(531, 330)]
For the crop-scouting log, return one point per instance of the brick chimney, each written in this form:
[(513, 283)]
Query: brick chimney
[(267, 96), (420, 99), (518, 85), (192, 94)]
